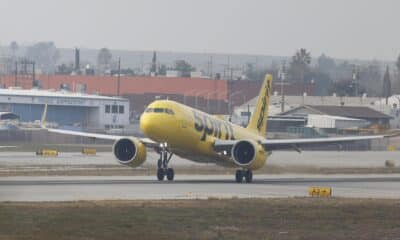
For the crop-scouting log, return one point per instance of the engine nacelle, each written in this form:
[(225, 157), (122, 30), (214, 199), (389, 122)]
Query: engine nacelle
[(248, 154), (130, 152)]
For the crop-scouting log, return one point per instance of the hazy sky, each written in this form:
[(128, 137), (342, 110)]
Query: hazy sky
[(362, 29)]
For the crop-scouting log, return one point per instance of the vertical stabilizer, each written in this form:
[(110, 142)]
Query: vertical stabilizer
[(258, 121)]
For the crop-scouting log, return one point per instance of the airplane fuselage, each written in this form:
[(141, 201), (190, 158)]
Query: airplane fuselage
[(191, 133)]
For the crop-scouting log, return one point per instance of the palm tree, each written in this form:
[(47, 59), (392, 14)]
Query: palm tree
[(299, 65)]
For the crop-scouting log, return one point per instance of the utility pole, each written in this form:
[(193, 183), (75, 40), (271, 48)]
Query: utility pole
[(355, 80), (119, 76), (211, 66), (282, 77), (33, 73), (16, 74)]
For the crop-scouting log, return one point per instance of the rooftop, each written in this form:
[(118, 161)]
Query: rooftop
[(49, 93), (343, 111), (321, 100)]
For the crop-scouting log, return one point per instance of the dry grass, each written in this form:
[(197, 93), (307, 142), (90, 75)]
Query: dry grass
[(298, 218)]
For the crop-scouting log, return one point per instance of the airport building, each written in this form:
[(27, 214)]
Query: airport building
[(66, 109)]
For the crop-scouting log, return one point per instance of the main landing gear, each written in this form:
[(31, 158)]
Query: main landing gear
[(162, 163), (247, 174)]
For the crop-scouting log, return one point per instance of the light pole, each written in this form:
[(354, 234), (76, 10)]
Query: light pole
[(282, 75)]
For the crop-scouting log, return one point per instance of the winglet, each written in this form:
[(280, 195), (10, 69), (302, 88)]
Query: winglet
[(44, 116), (258, 121)]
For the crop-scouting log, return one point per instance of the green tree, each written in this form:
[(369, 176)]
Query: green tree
[(344, 88), (370, 77), (326, 64), (162, 70), (387, 86), (184, 67), (299, 66)]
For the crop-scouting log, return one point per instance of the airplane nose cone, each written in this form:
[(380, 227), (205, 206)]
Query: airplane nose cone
[(145, 124)]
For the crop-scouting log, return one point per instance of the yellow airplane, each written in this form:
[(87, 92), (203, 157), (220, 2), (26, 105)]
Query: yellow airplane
[(174, 128)]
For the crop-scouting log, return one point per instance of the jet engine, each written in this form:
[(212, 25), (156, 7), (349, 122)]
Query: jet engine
[(248, 154), (130, 152)]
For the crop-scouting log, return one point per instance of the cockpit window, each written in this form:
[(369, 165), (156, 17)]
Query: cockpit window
[(160, 110), (169, 111)]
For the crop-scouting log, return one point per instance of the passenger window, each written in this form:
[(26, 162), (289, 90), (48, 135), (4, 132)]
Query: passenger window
[(114, 109), (107, 110)]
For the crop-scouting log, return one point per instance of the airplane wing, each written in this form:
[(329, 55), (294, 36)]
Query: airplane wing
[(146, 141), (297, 143)]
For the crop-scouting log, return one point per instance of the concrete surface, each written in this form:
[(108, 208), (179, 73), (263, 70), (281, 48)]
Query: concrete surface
[(189, 187), (279, 158)]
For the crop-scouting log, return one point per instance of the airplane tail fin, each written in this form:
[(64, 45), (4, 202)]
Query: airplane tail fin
[(44, 116), (258, 121)]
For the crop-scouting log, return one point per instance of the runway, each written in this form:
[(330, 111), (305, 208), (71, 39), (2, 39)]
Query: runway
[(194, 186), (282, 158)]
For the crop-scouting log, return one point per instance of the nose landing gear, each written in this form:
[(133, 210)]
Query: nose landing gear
[(247, 174), (162, 164)]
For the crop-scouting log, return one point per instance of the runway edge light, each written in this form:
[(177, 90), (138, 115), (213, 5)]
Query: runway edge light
[(47, 152), (89, 151), (320, 191)]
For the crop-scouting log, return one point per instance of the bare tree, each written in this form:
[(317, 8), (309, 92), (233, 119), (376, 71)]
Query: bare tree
[(14, 48), (45, 55), (104, 59)]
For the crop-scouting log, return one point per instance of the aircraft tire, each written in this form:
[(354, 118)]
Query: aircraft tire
[(170, 174), (239, 176), (248, 175), (160, 174)]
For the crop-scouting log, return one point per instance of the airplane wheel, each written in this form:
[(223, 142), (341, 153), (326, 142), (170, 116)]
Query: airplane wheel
[(160, 174), (239, 176), (170, 174), (248, 175)]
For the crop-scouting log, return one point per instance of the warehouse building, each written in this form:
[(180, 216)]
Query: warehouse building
[(367, 114), (66, 109)]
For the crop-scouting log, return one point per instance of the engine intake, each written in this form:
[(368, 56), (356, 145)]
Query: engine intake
[(130, 151), (244, 153)]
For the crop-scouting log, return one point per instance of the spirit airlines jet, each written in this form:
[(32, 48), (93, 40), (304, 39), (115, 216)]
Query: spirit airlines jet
[(174, 128)]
